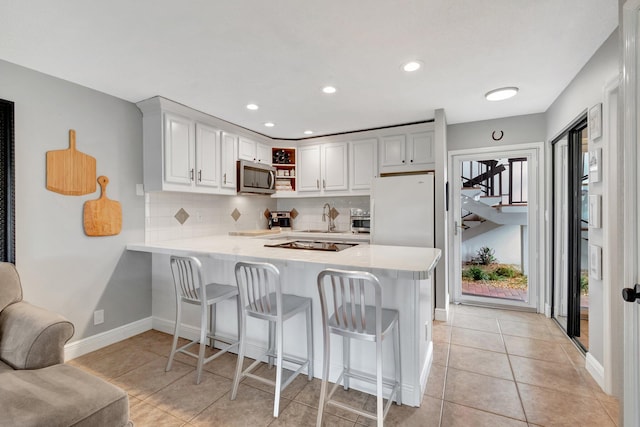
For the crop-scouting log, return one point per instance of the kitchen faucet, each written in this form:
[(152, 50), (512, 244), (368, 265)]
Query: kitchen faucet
[(330, 224)]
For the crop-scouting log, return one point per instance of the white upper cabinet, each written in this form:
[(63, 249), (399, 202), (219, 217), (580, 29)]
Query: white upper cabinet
[(207, 156), (363, 164), (179, 153), (253, 151), (229, 158), (323, 167), (407, 152)]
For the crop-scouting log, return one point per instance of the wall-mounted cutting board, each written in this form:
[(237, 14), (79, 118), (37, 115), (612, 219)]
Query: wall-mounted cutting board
[(103, 216), (69, 171)]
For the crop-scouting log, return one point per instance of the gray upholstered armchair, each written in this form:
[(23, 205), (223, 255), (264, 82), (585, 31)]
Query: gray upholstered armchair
[(36, 387)]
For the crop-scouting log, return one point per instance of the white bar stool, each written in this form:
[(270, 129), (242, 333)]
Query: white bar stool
[(346, 292), (261, 298), (187, 279)]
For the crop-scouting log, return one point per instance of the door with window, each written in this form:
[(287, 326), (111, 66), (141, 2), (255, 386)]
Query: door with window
[(571, 232)]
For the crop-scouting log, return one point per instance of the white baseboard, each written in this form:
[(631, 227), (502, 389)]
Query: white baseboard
[(103, 339), (547, 310), (426, 368), (441, 314), (595, 369)]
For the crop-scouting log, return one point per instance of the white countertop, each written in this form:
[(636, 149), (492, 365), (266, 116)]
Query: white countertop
[(408, 262)]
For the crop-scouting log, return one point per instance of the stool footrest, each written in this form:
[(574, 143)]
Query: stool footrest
[(286, 379)]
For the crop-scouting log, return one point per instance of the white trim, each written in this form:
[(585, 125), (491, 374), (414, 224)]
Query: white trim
[(612, 229), (103, 339), (547, 310), (537, 245), (595, 369), (630, 27), (442, 314)]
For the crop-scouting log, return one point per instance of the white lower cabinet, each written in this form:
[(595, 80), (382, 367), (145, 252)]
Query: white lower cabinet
[(323, 167)]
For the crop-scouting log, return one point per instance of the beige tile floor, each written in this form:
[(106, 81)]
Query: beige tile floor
[(491, 368)]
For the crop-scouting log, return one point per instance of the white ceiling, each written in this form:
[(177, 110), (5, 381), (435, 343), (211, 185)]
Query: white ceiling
[(217, 56)]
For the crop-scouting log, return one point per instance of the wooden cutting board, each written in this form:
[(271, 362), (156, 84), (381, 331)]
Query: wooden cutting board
[(69, 171), (103, 216)]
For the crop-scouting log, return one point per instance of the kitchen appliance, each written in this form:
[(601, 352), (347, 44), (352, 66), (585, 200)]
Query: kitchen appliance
[(255, 178), (314, 246), (360, 221), (280, 219), (402, 210)]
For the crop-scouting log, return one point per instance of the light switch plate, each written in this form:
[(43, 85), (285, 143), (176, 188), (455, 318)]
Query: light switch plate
[(139, 190), (98, 317)]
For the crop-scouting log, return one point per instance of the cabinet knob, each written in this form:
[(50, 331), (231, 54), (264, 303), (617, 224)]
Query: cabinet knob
[(403, 161), (191, 174), (225, 178), (317, 183), (200, 175), (411, 160), (631, 294)]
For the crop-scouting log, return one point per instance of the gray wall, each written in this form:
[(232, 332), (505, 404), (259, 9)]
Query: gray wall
[(516, 129), (585, 91), (61, 268)]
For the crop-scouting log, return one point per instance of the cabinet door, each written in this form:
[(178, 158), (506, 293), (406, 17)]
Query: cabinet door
[(420, 147), (229, 157), (309, 168), (363, 163), (263, 153), (207, 156), (334, 167), (178, 149), (246, 149), (392, 151)]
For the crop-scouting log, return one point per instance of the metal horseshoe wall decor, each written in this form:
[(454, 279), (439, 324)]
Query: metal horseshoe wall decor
[(497, 138)]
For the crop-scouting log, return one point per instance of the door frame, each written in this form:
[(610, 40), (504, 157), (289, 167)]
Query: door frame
[(631, 98), (535, 152)]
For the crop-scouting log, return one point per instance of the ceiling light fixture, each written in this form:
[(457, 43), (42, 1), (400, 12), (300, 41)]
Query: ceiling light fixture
[(269, 124), (252, 107), (308, 132), (412, 66), (329, 89), (501, 94)]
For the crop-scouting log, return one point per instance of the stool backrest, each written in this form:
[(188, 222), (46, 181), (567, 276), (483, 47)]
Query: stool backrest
[(187, 278), (257, 281), (346, 292)]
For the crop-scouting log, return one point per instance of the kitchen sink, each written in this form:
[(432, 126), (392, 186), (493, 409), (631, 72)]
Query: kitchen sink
[(314, 245)]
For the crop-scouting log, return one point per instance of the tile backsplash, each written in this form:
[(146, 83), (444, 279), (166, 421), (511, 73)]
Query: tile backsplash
[(310, 211), (207, 215)]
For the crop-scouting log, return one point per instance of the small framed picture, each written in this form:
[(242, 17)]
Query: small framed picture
[(595, 122), (595, 211), (595, 172), (595, 262)]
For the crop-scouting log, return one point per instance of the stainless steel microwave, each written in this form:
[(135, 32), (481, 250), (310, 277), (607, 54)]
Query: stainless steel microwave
[(256, 178)]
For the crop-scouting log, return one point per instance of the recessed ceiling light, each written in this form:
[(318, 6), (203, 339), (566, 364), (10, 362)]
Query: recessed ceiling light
[(269, 124), (308, 132), (329, 89), (501, 94), (252, 107), (412, 66)]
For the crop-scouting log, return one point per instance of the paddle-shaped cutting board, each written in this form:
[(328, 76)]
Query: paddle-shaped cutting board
[(103, 216), (69, 171)]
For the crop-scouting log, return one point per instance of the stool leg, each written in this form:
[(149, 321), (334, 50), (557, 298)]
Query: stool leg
[(325, 373), (271, 344), (203, 341), (397, 355), (279, 353), (242, 319), (212, 325), (309, 343), (176, 334), (346, 360), (379, 405)]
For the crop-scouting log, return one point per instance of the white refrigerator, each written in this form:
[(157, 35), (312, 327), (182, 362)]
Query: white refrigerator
[(402, 210)]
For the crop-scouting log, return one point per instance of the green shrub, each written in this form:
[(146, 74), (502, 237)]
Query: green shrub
[(506, 271), (476, 273), (485, 256), (584, 284), (495, 276)]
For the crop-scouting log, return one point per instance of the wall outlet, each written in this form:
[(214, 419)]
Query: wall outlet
[(98, 317)]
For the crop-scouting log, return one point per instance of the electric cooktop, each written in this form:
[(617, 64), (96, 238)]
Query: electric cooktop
[(314, 246)]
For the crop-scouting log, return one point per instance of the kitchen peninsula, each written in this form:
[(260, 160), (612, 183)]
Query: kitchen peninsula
[(404, 272)]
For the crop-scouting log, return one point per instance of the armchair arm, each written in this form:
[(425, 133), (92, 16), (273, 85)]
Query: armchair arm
[(32, 337)]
